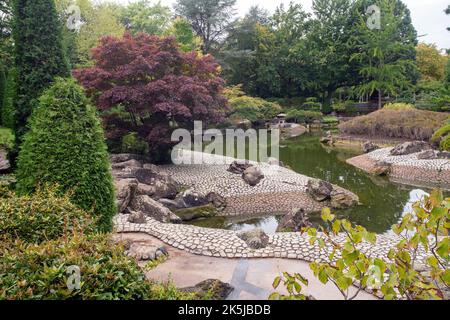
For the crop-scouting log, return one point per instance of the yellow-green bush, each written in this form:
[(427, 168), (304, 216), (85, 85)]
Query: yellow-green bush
[(41, 216), (6, 138), (442, 137), (398, 106)]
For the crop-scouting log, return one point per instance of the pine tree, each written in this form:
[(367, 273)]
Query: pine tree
[(39, 54)]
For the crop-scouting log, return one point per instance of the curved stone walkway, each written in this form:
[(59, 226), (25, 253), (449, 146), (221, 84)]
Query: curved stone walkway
[(408, 169), (226, 244)]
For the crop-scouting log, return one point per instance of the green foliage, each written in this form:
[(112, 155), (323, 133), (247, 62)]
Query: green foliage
[(7, 113), (131, 143), (143, 16), (398, 106), (37, 272), (303, 116), (2, 90), (41, 217), (311, 104), (432, 95), (245, 107), (401, 124), (39, 56), (396, 277), (65, 146), (331, 120), (182, 31), (386, 61), (442, 137), (6, 139)]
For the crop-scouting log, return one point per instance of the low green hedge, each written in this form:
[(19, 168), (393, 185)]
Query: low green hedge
[(42, 271), (41, 216)]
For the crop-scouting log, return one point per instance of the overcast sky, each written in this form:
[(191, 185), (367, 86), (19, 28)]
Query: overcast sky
[(428, 15)]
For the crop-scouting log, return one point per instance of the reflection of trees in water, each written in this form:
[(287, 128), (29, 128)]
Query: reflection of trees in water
[(382, 201)]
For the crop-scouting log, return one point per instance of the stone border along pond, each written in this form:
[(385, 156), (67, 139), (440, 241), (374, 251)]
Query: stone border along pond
[(280, 190), (411, 169)]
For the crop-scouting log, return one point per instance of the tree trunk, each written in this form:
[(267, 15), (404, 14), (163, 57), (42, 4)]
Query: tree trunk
[(327, 97), (379, 99)]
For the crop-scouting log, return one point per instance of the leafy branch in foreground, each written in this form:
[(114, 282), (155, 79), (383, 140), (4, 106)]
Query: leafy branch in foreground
[(416, 268)]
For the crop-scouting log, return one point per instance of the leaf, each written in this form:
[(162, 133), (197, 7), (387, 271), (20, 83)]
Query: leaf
[(276, 282), (326, 215), (443, 248)]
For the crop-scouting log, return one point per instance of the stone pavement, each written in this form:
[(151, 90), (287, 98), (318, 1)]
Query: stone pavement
[(281, 191), (226, 243), (251, 279)]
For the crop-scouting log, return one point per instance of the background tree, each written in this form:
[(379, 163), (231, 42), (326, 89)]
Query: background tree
[(447, 11), (98, 20), (184, 34), (385, 60), (430, 62), (143, 16), (65, 146), (155, 86), (328, 44), (210, 19), (39, 56)]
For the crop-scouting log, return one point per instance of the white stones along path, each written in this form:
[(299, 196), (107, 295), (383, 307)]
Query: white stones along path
[(226, 244)]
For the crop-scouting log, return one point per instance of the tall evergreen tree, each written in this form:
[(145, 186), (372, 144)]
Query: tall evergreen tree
[(39, 54)]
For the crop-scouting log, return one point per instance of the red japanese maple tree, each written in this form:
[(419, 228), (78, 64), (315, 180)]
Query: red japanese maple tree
[(157, 85)]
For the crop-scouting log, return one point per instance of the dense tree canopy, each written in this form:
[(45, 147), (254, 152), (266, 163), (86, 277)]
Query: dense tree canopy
[(157, 85), (210, 19), (143, 16), (430, 62)]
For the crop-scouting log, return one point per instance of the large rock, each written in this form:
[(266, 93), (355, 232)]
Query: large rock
[(294, 221), (255, 239), (137, 217), (154, 209), (125, 191), (123, 157), (443, 155), (428, 155), (318, 189), (145, 252), (212, 289), (343, 200), (410, 148), (165, 186), (238, 167), (253, 176), (216, 200), (4, 162), (193, 199), (369, 146), (127, 164), (381, 168)]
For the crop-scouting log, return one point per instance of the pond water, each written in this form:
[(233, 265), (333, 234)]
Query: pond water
[(382, 202)]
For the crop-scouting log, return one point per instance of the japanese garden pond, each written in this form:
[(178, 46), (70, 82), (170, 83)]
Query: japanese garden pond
[(382, 202)]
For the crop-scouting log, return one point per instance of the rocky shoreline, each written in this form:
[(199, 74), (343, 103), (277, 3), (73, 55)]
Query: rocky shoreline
[(422, 167)]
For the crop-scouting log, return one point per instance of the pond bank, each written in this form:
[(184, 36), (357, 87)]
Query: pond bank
[(407, 169)]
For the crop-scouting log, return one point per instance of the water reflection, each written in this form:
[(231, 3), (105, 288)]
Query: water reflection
[(383, 203)]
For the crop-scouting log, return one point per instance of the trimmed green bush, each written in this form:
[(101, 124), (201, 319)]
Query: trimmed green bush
[(2, 91), (65, 146), (303, 116), (40, 217), (131, 143), (37, 272), (442, 137)]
